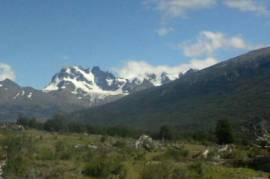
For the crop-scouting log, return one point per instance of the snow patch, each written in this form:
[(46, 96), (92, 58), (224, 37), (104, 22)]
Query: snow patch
[(30, 95), (16, 96), (109, 81), (52, 86), (87, 86)]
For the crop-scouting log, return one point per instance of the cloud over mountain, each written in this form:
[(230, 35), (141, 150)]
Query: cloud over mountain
[(138, 69), (6, 72)]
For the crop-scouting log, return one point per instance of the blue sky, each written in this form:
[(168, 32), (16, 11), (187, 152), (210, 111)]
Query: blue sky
[(39, 37)]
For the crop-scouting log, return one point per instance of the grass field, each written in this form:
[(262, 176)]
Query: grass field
[(38, 154)]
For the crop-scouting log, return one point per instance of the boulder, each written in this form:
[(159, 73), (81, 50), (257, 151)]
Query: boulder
[(226, 148), (145, 142)]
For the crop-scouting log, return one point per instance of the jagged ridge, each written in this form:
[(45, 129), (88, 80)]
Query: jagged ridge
[(99, 84)]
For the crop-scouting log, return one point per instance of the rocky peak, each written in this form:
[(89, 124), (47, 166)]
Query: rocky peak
[(84, 82)]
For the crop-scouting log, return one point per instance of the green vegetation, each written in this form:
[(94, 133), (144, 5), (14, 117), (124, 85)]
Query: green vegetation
[(41, 154), (60, 123), (165, 133), (236, 90), (224, 132)]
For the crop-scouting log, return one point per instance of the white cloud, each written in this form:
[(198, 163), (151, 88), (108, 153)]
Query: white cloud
[(163, 31), (208, 43), (138, 69), (179, 8), (247, 6), (6, 72)]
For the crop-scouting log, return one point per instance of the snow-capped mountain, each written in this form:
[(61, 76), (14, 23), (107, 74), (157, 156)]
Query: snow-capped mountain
[(96, 85), (86, 84), (73, 88)]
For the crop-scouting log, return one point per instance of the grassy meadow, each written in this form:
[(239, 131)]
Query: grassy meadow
[(39, 154)]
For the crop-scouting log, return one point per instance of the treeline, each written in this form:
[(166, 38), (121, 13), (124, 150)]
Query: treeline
[(60, 124), (223, 133)]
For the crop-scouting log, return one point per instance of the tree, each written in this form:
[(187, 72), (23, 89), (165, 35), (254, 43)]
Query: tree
[(57, 124), (29, 122), (165, 133), (224, 132), (21, 120)]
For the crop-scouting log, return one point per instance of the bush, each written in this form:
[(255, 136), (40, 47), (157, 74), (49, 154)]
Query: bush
[(63, 151), (261, 163), (88, 156), (103, 139), (179, 174), (157, 171), (17, 166), (46, 154), (196, 170), (20, 150), (177, 154), (120, 144), (104, 169)]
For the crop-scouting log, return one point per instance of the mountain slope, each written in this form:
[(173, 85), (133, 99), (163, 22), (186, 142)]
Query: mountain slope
[(237, 89), (16, 100), (71, 89)]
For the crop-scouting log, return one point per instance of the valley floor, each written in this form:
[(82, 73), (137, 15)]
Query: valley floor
[(38, 154)]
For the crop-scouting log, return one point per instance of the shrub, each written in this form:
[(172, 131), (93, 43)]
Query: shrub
[(103, 139), (89, 155), (63, 151), (20, 151), (104, 169), (179, 174), (119, 144), (17, 166), (261, 163), (46, 154), (176, 154), (157, 171), (196, 169)]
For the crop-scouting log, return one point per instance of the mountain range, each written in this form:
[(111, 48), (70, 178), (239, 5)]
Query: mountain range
[(71, 89), (237, 90)]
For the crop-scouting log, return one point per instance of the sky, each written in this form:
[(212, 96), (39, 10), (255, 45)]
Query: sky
[(126, 37)]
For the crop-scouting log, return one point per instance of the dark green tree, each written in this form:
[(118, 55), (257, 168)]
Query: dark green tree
[(57, 124), (224, 133), (165, 133)]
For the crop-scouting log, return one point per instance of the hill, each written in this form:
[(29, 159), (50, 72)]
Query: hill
[(236, 89)]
